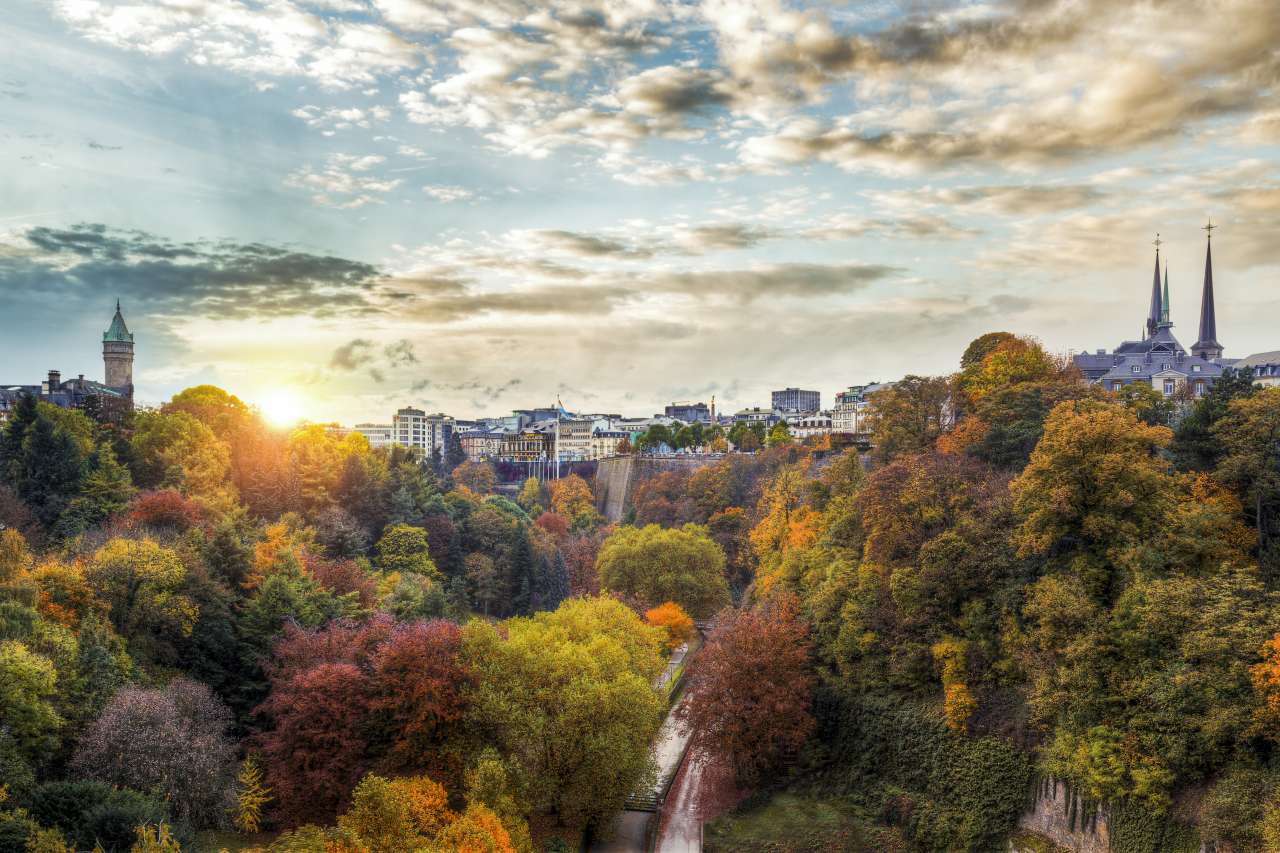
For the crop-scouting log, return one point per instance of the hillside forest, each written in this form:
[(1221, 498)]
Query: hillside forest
[(215, 634)]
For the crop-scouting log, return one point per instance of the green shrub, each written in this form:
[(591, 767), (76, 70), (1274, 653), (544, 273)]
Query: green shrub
[(15, 828), (1136, 829), (948, 791), (65, 804), (1233, 810)]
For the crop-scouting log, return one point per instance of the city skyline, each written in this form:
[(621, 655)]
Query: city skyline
[(473, 209)]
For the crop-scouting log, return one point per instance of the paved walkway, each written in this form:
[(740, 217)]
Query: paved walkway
[(668, 749), (681, 829)]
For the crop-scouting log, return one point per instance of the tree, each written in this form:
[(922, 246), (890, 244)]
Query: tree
[(164, 511), (106, 490), (28, 682), (171, 741), (544, 681), (252, 796), (177, 451), (1012, 361), (140, 583), (1094, 487), (49, 469), (571, 497), (317, 748), (479, 477), (655, 565), (1196, 446), (981, 346), (418, 694), (393, 815), (531, 496), (674, 621), (779, 434), (908, 416), (751, 688), (404, 549), (1250, 463), (483, 581)]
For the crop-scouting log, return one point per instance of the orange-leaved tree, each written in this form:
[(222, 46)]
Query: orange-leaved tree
[(671, 618)]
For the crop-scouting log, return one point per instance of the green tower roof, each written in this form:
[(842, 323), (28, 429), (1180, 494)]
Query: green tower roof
[(119, 331)]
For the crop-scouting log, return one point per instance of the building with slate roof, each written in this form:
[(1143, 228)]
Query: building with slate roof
[(1157, 358), (111, 398)]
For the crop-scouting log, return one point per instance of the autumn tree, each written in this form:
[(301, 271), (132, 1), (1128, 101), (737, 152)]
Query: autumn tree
[(909, 415), (541, 679), (404, 549), (177, 451), (673, 621), (172, 741), (1250, 438), (479, 477), (751, 688), (571, 497), (1094, 489), (141, 584), (655, 565)]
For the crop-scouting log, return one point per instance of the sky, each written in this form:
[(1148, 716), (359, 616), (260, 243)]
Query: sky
[(473, 206)]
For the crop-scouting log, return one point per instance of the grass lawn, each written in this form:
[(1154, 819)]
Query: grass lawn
[(797, 823)]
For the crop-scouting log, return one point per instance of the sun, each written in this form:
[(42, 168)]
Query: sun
[(281, 407)]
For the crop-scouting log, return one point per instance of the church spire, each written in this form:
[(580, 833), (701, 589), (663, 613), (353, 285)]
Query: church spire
[(1207, 346), (1164, 300), (1157, 304)]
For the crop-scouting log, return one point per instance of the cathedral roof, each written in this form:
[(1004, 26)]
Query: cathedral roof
[(118, 331)]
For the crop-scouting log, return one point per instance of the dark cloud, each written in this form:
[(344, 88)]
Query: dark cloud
[(352, 355), (400, 354), (777, 280), (98, 146), (585, 245), (219, 279), (483, 392)]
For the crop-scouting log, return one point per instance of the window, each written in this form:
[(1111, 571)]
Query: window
[(1195, 368), (1199, 387), (1168, 387), (1135, 368)]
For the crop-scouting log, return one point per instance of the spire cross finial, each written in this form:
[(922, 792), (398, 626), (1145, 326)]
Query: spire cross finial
[(1158, 242), (1209, 229)]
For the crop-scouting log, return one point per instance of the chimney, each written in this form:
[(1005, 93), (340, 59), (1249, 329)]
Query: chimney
[(55, 379)]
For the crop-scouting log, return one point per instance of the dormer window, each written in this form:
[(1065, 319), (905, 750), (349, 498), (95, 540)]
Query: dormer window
[(1195, 368), (1137, 368)]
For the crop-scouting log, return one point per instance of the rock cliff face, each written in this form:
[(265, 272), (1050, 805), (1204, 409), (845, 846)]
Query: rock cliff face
[(1061, 817)]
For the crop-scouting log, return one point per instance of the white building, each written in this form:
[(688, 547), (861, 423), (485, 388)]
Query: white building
[(416, 429), (810, 425), (379, 435), (849, 416)]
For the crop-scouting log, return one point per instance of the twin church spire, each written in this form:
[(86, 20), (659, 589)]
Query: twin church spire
[(1207, 346)]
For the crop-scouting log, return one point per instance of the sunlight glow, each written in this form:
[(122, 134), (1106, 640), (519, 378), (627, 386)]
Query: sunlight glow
[(281, 407)]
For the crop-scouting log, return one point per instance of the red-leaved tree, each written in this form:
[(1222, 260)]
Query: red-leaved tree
[(417, 694), (354, 697), (316, 752), (751, 688)]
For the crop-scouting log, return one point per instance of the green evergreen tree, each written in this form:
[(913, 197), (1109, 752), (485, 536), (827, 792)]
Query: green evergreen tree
[(521, 574), (107, 490), (50, 470)]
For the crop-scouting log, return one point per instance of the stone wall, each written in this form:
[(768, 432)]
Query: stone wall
[(616, 477)]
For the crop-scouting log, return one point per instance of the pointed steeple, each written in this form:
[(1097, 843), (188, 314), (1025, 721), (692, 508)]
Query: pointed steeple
[(1157, 304), (1207, 346), (1164, 300), (118, 331)]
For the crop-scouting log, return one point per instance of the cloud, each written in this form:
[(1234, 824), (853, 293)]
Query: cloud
[(344, 181), (352, 355), (447, 194), (97, 146), (217, 279)]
